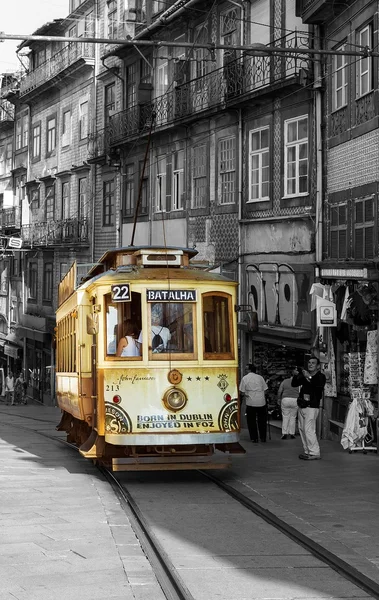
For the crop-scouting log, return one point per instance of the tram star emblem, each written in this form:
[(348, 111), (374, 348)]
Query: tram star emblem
[(223, 383)]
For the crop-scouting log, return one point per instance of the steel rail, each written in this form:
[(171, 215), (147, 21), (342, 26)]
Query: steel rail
[(172, 585), (338, 564)]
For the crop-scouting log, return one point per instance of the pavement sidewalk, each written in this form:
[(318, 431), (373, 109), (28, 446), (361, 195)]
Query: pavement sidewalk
[(63, 533), (61, 525)]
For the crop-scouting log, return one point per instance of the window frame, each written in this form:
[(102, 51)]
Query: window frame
[(108, 212), (51, 134), (50, 202), (199, 175), (229, 355), (223, 173), (336, 227), (47, 287), (109, 101), (161, 184), (32, 281), (363, 226), (340, 68), (66, 128), (360, 72), (178, 180), (296, 144), (129, 198), (36, 141), (65, 196), (260, 153), (83, 120)]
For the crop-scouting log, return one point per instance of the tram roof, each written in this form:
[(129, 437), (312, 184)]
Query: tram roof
[(109, 258)]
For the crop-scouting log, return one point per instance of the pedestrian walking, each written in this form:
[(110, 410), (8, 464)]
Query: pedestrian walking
[(20, 389), (312, 384), (9, 388), (253, 389), (287, 400)]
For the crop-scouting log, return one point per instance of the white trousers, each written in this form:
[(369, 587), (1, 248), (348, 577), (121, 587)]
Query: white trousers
[(289, 414), (307, 419)]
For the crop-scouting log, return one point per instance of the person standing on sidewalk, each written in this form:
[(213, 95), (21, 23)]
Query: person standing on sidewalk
[(312, 384), (9, 388), (253, 388), (287, 400)]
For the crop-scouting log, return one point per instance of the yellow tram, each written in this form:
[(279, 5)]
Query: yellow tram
[(146, 361)]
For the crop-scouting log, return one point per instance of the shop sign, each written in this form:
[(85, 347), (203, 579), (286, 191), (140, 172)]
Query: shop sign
[(326, 313), (344, 273), (10, 351)]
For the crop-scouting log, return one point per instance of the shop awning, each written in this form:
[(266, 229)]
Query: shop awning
[(294, 337)]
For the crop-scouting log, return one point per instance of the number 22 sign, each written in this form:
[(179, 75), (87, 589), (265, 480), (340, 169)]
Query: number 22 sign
[(121, 292)]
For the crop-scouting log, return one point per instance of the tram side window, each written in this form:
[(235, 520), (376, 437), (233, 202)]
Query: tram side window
[(217, 325), (171, 328), (66, 344), (123, 327)]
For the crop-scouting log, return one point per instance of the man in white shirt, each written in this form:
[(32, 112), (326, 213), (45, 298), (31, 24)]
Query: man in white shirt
[(253, 389)]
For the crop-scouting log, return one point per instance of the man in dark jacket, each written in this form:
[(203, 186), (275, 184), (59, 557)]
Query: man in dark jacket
[(312, 384)]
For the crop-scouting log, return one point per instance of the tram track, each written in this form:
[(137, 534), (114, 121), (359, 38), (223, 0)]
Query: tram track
[(173, 586)]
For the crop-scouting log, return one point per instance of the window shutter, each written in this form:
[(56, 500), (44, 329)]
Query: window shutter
[(359, 243), (342, 243), (369, 242), (334, 244)]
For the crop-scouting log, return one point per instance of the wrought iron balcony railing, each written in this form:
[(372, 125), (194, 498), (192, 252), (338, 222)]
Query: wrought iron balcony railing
[(10, 218), (6, 111), (60, 61), (228, 86), (54, 233)]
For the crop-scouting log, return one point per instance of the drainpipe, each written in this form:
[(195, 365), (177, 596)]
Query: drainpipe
[(94, 123), (319, 179)]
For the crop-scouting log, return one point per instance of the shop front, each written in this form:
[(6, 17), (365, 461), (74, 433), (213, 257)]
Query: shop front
[(37, 358), (279, 295), (350, 348)]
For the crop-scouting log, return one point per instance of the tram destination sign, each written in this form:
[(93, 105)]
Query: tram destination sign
[(171, 295)]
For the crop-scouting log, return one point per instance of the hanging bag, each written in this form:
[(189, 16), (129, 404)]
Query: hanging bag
[(157, 342)]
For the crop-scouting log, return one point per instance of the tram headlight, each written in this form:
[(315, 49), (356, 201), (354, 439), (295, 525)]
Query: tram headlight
[(175, 399)]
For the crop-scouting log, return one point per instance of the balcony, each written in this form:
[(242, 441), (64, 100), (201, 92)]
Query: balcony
[(234, 85), (56, 233), (10, 218), (65, 62), (98, 144)]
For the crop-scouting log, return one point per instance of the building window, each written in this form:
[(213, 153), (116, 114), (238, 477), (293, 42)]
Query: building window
[(158, 6), (201, 55), (339, 79), (259, 167), (129, 191), (108, 202), (65, 200), (36, 135), (199, 176), (51, 132), (364, 229), (22, 131), (338, 231), (144, 179), (364, 65), (83, 120), (296, 156), (33, 280), (227, 170), (47, 294), (131, 85), (112, 19), (34, 200), (109, 101), (82, 201), (8, 157), (178, 180), (160, 186), (66, 128), (50, 202), (2, 160)]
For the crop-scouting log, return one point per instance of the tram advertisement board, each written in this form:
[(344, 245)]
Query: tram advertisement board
[(134, 401)]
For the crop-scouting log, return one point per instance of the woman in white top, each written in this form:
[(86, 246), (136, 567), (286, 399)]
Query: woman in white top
[(128, 345)]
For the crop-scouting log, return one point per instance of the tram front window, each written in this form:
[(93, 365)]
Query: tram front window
[(171, 328), (123, 328)]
